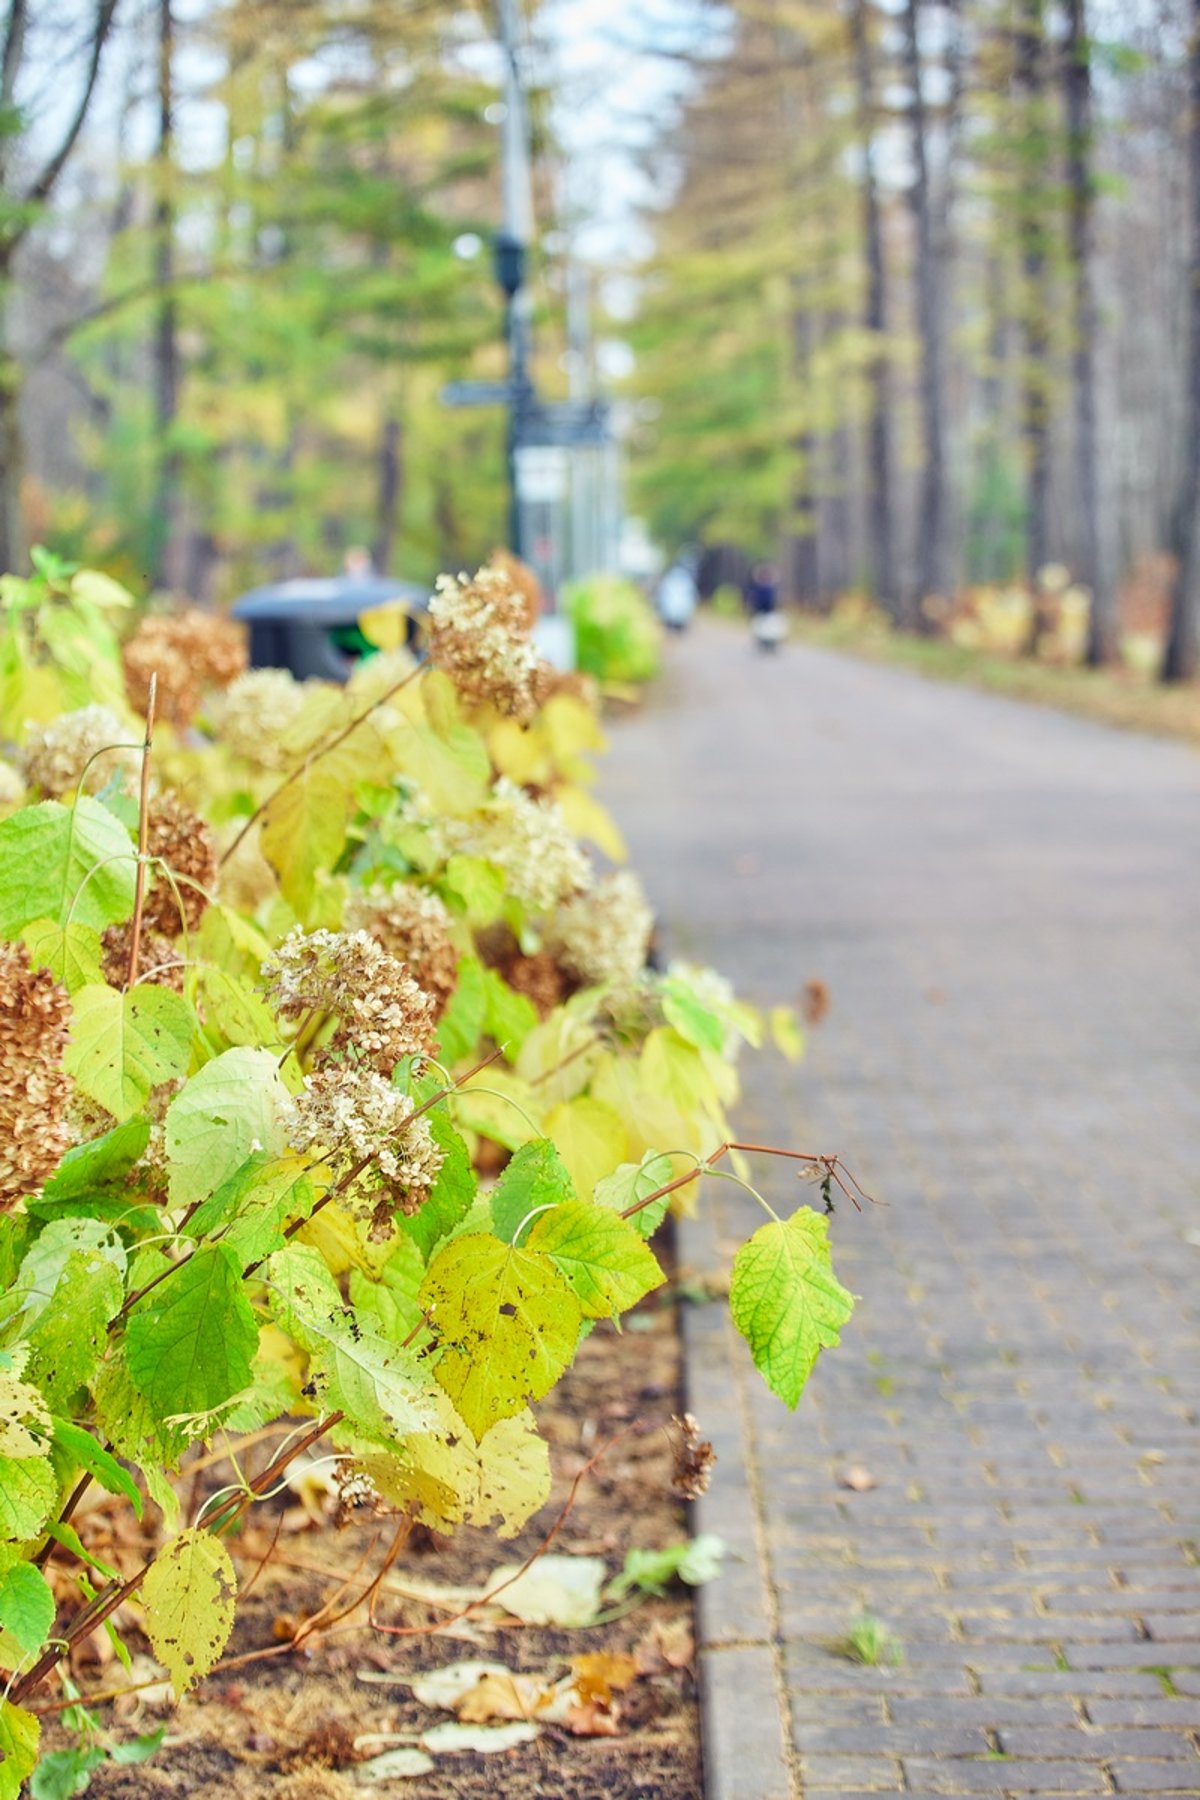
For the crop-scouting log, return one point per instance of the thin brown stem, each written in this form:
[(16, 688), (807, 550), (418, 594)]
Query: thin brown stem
[(139, 901)]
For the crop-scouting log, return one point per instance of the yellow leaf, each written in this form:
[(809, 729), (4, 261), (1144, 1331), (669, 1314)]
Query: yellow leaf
[(588, 819), (590, 1138)]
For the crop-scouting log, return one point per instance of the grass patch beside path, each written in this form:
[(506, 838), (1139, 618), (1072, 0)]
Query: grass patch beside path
[(1112, 697)]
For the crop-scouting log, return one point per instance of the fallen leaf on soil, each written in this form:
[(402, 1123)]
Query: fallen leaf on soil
[(591, 1720), (448, 1686), (601, 1674), (555, 1590), (393, 1765), (504, 1696), (858, 1478), (482, 1738), (665, 1646)]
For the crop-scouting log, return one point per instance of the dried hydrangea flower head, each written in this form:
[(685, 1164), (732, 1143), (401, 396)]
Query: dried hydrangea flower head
[(479, 634), (383, 1016), (182, 841), (35, 1012), (56, 756), (188, 651), (414, 926), (255, 712), (159, 962), (602, 937), (348, 1115), (530, 840)]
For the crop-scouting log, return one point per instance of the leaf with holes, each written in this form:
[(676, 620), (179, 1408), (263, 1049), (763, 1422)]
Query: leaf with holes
[(122, 1045), (602, 1255), (190, 1343), (189, 1593), (19, 1735), (227, 1111), (26, 1607), (786, 1300), (66, 864)]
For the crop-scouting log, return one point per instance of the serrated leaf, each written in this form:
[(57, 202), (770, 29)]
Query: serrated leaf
[(28, 1495), (43, 1266), (602, 1255), (786, 1301), (99, 1163), (477, 885), (87, 1453), (452, 1193), (536, 1177), (451, 769), (509, 1017), (632, 1183), (190, 1343), (461, 1025), (26, 1606), (122, 1045), (589, 1137), (69, 1338), (65, 863), (304, 825), (449, 1480), (24, 1419), (20, 1733), (378, 1385), (233, 1012), (507, 1323), (227, 1111), (249, 1211), (70, 952), (190, 1593)]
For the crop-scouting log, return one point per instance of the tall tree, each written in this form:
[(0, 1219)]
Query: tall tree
[(1102, 629), (166, 329), (933, 562), (22, 196), (884, 583), (1033, 150), (1182, 659)]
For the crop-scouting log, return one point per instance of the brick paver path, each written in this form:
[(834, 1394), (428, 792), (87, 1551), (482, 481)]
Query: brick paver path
[(1004, 903)]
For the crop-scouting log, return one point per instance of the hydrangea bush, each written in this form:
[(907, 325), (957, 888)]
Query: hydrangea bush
[(334, 1087)]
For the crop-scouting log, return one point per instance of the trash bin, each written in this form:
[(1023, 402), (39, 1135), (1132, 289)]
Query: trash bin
[(310, 625)]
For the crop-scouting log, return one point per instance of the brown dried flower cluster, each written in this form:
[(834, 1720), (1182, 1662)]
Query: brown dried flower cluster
[(537, 976), (56, 757), (350, 1115), (180, 839), (383, 1016), (412, 925), (694, 1459), (159, 962), (35, 1011), (188, 651), (479, 635), (521, 577)]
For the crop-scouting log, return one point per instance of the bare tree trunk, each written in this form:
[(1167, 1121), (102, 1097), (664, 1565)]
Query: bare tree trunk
[(388, 505), (932, 560), (1182, 659), (1035, 374), (166, 331), (1102, 628), (12, 548), (883, 574)]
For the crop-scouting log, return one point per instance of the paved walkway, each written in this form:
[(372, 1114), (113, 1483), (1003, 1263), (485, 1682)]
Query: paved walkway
[(1004, 903)]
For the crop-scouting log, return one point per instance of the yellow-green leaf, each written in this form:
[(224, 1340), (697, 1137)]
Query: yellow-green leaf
[(786, 1301), (122, 1045), (70, 952), (590, 1138), (19, 1735), (602, 1255), (190, 1593)]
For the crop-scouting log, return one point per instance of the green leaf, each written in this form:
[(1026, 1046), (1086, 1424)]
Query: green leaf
[(70, 952), (122, 1045), (601, 1254), (62, 1774), (28, 1494), (786, 1301), (378, 1385), (691, 1020), (190, 1343), (461, 1025), (478, 886), (70, 1335), (507, 1322), (69, 1538), (695, 1561), (536, 1177), (87, 1453), (452, 1193), (248, 1212), (100, 1163), (509, 1017), (19, 1735), (634, 1182), (227, 1111), (138, 1749), (190, 1593), (26, 1606), (47, 857), (233, 1011), (48, 1256)]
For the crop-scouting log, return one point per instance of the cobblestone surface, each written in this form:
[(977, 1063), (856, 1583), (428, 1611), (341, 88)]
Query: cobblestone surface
[(1004, 903)]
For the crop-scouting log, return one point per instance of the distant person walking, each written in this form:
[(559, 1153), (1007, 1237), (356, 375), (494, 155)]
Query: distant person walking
[(761, 595), (676, 597)]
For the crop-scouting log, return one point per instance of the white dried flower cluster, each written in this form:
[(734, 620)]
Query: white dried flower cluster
[(255, 712), (414, 926), (383, 1016), (602, 937), (348, 1115), (530, 841), (56, 755), (479, 634)]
